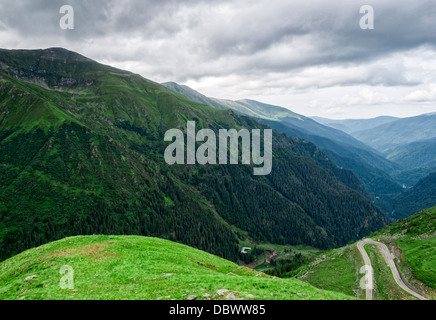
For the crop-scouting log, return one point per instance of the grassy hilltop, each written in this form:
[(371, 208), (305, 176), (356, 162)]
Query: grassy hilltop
[(133, 267)]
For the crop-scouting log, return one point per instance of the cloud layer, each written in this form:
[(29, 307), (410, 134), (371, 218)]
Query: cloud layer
[(310, 56)]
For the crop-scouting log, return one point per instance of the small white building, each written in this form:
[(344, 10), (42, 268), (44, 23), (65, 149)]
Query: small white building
[(245, 250)]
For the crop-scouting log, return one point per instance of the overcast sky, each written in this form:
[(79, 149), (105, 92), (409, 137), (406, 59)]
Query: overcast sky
[(310, 56)]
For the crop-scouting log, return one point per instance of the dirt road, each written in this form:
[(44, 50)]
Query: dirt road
[(390, 262)]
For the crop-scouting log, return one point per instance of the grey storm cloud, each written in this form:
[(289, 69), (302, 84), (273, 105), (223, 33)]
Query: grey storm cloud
[(92, 18), (246, 28), (191, 40)]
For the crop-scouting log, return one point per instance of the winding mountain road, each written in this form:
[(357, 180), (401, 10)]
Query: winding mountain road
[(390, 262)]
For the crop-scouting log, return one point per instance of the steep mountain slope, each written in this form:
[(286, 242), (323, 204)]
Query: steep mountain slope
[(81, 152), (140, 268), (408, 142), (370, 167), (247, 107), (399, 132), (410, 177), (419, 197), (376, 181), (419, 154), (271, 113), (414, 239)]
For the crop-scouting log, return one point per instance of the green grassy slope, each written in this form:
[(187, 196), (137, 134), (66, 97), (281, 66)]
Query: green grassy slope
[(421, 196), (415, 237), (337, 270), (132, 267)]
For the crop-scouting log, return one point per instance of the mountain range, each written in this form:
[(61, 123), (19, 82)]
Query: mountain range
[(411, 144), (403, 131), (408, 142), (371, 167), (387, 154), (351, 126), (82, 152)]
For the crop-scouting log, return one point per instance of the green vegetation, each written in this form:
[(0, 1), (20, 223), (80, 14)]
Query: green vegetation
[(337, 270), (385, 287), (82, 153), (413, 242), (416, 238), (376, 181), (132, 267), (287, 267), (421, 258), (419, 197), (347, 152), (417, 155), (278, 260), (411, 177)]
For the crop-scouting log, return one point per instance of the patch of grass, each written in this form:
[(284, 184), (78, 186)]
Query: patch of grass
[(421, 257), (168, 201), (422, 225), (335, 270), (415, 237), (133, 267)]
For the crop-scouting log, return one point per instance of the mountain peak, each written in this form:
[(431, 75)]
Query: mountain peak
[(49, 53)]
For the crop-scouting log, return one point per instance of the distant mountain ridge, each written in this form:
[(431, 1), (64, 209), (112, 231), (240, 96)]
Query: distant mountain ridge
[(270, 113), (408, 142), (346, 151), (399, 132), (354, 125), (244, 106), (417, 154)]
